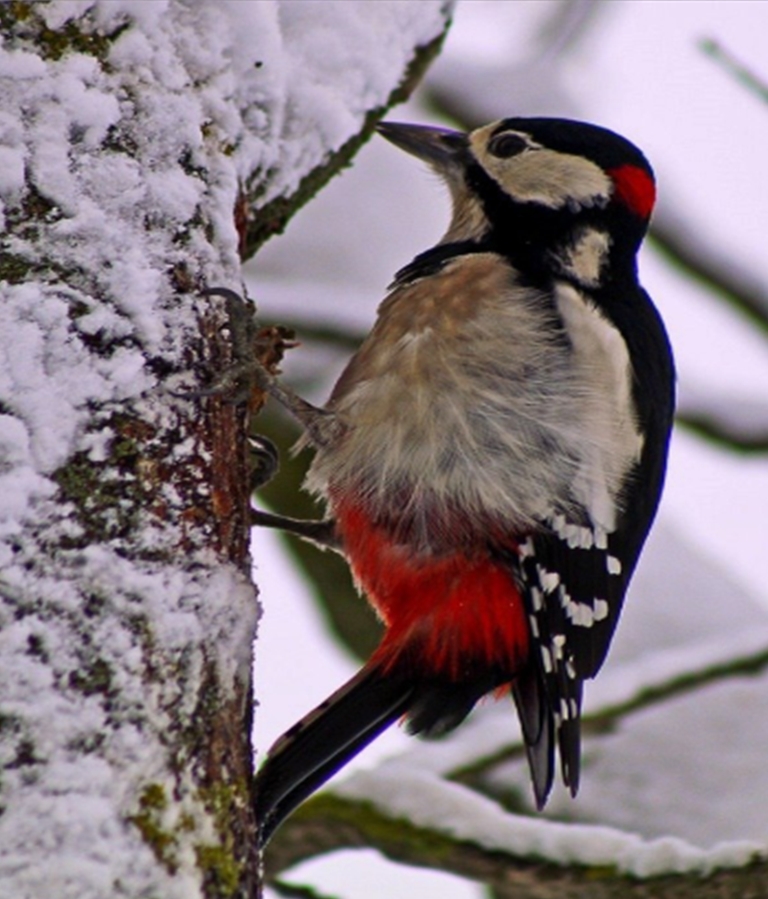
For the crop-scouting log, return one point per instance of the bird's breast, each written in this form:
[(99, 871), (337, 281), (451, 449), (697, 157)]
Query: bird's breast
[(465, 396)]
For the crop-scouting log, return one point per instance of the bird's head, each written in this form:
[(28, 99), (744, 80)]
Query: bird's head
[(535, 180)]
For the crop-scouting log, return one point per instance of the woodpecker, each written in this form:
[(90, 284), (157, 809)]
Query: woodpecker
[(493, 455)]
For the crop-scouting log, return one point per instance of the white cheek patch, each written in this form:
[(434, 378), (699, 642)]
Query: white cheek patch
[(545, 176), (584, 260)]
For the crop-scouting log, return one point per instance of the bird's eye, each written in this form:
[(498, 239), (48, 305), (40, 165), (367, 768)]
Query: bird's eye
[(506, 144)]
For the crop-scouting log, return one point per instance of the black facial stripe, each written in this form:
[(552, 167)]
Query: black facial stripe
[(431, 261)]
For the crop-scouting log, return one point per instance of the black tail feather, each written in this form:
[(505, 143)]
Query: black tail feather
[(529, 692), (319, 745), (315, 748), (437, 707), (569, 743)]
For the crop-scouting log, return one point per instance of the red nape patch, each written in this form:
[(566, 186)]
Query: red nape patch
[(635, 188), (452, 616)]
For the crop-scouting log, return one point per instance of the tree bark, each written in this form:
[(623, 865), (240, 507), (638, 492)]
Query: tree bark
[(127, 611)]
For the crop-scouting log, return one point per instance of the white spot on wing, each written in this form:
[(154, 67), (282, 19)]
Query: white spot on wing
[(550, 580), (613, 565), (581, 614), (525, 550), (576, 536), (601, 609)]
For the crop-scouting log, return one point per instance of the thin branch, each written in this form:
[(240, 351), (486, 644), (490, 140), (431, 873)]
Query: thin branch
[(689, 252), (746, 77), (750, 664), (331, 821), (568, 23), (723, 434), (297, 891)]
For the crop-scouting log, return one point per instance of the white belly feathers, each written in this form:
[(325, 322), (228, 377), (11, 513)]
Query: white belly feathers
[(463, 387)]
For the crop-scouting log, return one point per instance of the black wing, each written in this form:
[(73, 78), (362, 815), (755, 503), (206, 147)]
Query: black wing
[(573, 576), (573, 579)]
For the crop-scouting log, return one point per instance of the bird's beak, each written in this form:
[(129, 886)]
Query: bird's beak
[(442, 148)]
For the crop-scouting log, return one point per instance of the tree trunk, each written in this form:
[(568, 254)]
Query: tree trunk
[(137, 144)]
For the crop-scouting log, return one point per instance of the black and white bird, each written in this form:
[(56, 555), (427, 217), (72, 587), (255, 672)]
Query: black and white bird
[(492, 457)]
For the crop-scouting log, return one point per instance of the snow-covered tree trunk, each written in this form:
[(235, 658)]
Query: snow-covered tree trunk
[(143, 146)]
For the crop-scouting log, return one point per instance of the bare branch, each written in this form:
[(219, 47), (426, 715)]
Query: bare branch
[(704, 262), (725, 434), (735, 67)]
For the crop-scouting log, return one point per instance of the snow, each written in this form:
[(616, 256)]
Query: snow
[(65, 807), (428, 801), (362, 872), (677, 792), (308, 73), (129, 162)]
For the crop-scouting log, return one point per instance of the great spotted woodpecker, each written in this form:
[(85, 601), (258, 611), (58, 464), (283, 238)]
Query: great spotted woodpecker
[(493, 455)]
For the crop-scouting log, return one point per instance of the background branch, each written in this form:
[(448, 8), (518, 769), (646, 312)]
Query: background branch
[(735, 67), (688, 251), (329, 822)]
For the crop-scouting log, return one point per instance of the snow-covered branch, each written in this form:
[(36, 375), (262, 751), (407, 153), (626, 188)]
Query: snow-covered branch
[(416, 819)]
